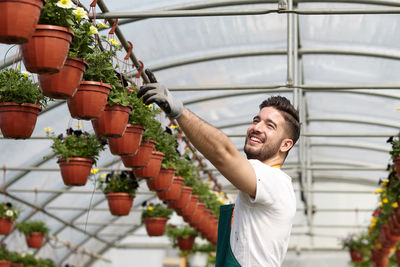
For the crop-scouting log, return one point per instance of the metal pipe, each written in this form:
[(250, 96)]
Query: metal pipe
[(366, 135)]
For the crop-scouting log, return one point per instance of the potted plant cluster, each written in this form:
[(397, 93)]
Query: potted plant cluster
[(358, 246), (34, 232), (119, 188), (20, 103), (182, 237), (155, 218), (395, 152), (4, 257), (76, 153), (8, 214)]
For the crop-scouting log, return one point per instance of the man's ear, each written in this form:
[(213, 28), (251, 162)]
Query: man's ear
[(286, 145)]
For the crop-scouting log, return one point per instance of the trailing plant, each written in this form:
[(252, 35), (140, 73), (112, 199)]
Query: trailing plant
[(83, 41), (17, 87), (32, 226), (142, 114), (4, 253), (28, 259), (123, 182), (8, 210), (100, 64), (77, 143), (174, 232), (155, 211)]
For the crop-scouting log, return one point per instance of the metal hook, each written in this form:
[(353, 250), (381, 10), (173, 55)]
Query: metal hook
[(114, 26), (129, 51)]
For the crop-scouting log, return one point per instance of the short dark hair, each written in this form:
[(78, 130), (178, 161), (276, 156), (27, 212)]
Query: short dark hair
[(288, 111)]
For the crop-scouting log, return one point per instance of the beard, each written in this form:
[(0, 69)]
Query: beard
[(263, 153)]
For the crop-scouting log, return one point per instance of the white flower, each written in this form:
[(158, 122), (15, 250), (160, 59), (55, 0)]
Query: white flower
[(80, 13), (102, 25), (93, 30), (26, 74), (66, 4), (9, 213)]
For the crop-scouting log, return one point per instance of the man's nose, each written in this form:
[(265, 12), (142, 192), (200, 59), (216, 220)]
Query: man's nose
[(257, 127)]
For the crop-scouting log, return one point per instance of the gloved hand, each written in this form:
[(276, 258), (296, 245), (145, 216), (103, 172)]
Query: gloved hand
[(155, 92)]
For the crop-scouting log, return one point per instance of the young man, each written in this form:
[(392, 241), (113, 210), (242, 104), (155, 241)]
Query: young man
[(256, 233)]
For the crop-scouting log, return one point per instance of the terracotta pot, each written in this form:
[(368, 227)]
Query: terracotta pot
[(120, 204), (5, 225), (174, 191), (47, 50), (18, 120), (76, 171), (142, 158), (155, 226), (17, 265), (204, 223), (5, 263), (186, 243), (164, 179), (153, 168), (190, 208), (89, 100), (18, 20), (129, 143), (197, 216), (183, 200), (355, 256), (63, 85), (113, 121), (396, 162), (34, 240)]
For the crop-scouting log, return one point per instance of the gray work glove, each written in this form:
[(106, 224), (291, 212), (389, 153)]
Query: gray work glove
[(155, 92)]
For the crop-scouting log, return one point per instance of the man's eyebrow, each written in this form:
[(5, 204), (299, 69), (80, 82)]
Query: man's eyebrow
[(271, 121)]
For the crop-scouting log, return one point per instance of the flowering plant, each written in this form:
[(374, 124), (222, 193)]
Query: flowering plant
[(17, 87), (76, 144), (8, 210), (59, 13), (32, 226), (123, 182), (355, 241), (173, 232), (395, 142), (155, 211)]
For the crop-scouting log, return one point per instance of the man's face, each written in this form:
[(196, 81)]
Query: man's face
[(265, 135)]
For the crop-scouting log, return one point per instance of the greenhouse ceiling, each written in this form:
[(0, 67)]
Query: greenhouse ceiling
[(337, 61)]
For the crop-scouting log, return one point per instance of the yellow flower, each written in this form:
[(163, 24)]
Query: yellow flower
[(103, 176), (378, 245), (94, 171), (113, 41), (150, 207), (395, 205), (385, 200), (380, 204), (93, 30), (385, 182), (26, 74), (79, 126), (149, 105), (80, 13), (47, 129), (377, 191), (398, 108), (102, 25), (392, 250), (66, 4), (174, 126)]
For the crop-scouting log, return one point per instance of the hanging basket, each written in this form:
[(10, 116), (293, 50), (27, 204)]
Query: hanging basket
[(155, 226), (186, 243), (120, 204), (16, 264), (129, 143), (196, 217), (18, 20), (76, 171), (153, 168), (174, 191), (142, 158), (63, 85), (89, 100), (47, 50), (18, 120), (5, 263), (184, 199), (6, 225), (190, 208), (164, 180), (34, 240), (355, 256), (113, 121)]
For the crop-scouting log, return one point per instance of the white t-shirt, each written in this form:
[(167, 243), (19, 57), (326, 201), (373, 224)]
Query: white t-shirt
[(261, 226)]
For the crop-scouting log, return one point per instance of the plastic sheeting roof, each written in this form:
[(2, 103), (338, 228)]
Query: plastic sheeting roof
[(339, 69)]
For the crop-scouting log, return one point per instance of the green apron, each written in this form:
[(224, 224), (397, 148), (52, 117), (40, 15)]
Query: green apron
[(225, 257)]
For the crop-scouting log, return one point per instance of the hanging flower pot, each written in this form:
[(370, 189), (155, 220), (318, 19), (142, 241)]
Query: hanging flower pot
[(89, 100), (355, 256), (155, 226), (5, 263), (120, 204), (129, 143), (183, 200), (16, 264), (195, 219), (63, 85), (190, 208), (18, 120), (47, 50), (18, 20), (153, 168), (164, 179), (34, 240), (75, 171), (174, 191), (204, 223), (142, 158), (186, 243), (6, 225), (113, 121)]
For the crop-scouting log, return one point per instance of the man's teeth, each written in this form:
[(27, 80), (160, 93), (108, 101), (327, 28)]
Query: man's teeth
[(255, 139)]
